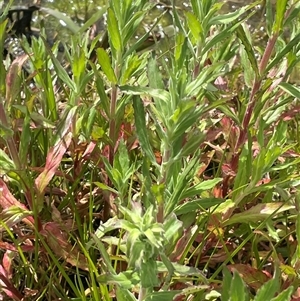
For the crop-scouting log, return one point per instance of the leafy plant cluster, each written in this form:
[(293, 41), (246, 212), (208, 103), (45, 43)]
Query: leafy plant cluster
[(161, 173)]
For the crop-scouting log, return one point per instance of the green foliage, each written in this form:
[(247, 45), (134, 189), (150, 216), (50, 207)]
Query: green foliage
[(140, 165)]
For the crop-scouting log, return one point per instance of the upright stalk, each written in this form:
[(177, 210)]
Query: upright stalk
[(112, 134)]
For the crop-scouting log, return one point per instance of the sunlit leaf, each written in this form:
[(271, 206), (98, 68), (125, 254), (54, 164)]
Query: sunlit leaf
[(71, 25), (252, 276), (237, 289), (192, 206), (104, 61), (113, 29), (53, 160), (259, 212)]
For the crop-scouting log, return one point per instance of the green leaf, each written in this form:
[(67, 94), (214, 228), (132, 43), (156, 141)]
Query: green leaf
[(269, 17), (283, 52), (244, 36), (104, 61), (192, 206), (5, 132), (25, 139), (101, 92), (227, 279), (149, 273), (106, 187), (237, 288), (284, 295), (172, 225), (91, 21), (269, 289), (223, 35), (258, 213), (183, 270), (134, 63), (158, 93), (162, 296), (194, 25), (113, 29), (203, 186), (207, 75), (132, 25), (59, 69), (180, 53), (125, 280), (280, 12), (232, 16), (62, 17), (13, 215), (6, 164), (182, 182), (141, 128), (291, 89), (124, 295)]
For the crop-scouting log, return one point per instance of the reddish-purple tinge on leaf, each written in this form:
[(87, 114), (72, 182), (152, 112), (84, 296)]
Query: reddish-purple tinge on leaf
[(53, 160)]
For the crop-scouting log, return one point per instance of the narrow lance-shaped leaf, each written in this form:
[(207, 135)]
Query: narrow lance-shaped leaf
[(227, 279), (194, 25), (269, 289), (283, 52), (58, 242), (291, 89), (279, 19), (232, 16), (248, 48), (7, 200), (60, 71), (237, 289), (258, 213), (113, 29), (13, 79), (95, 17), (141, 128), (53, 160), (69, 23), (284, 295), (223, 35), (104, 61)]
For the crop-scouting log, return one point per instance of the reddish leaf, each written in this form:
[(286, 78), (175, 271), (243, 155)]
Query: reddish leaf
[(13, 79), (11, 247), (253, 277), (181, 245), (296, 296), (59, 244), (89, 149), (7, 263), (258, 212), (7, 200), (53, 160), (8, 287)]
